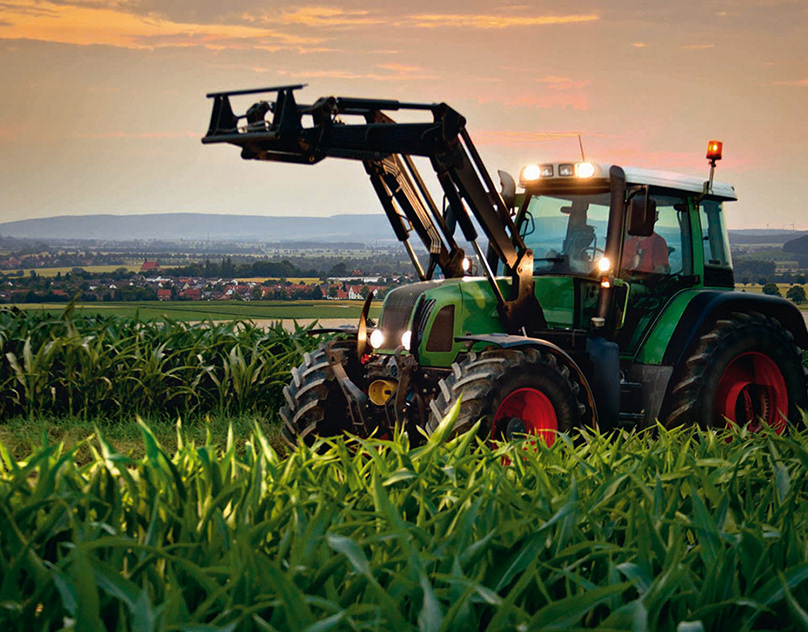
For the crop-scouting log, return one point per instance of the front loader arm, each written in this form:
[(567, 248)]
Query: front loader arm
[(386, 148)]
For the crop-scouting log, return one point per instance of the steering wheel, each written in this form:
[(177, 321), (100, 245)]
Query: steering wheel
[(595, 252)]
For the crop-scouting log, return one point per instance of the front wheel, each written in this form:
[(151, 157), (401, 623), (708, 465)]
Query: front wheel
[(745, 371), (513, 392), (315, 405)]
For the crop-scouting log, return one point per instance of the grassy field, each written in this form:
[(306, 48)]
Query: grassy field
[(52, 272), (214, 310), (306, 280), (22, 436)]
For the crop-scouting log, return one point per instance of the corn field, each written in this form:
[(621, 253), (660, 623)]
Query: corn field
[(680, 530), (94, 366)]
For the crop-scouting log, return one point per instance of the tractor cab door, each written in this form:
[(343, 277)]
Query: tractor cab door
[(656, 262)]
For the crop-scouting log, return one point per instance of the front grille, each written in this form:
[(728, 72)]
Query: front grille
[(396, 314), (422, 317)]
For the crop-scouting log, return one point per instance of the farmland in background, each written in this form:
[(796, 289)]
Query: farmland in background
[(52, 272), (217, 311)]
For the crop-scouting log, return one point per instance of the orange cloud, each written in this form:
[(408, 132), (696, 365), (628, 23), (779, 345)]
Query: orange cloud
[(96, 23), (798, 83), (563, 83), (402, 68), (396, 74), (482, 21), (328, 16)]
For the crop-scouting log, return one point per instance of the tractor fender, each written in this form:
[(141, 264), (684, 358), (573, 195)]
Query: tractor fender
[(509, 341), (708, 306)]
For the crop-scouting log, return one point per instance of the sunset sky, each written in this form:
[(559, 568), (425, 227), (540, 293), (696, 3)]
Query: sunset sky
[(103, 102)]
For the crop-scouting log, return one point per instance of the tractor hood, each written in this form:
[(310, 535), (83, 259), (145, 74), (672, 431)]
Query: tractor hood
[(436, 312)]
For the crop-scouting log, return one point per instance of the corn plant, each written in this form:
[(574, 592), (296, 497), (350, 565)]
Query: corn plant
[(659, 530), (95, 366)]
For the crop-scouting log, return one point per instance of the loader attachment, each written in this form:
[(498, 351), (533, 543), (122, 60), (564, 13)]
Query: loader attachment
[(285, 131)]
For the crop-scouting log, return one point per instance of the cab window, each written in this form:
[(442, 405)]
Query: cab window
[(567, 233), (714, 235), (665, 251)]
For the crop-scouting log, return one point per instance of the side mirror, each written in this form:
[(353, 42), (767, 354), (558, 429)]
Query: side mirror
[(507, 187), (641, 215)]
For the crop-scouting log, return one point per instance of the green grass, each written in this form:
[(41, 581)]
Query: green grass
[(22, 436), (661, 530), (214, 310)]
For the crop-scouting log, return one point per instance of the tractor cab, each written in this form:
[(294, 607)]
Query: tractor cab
[(625, 254)]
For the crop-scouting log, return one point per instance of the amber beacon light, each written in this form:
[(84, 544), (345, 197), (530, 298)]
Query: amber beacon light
[(714, 150)]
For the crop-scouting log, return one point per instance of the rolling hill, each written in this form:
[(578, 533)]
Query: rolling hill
[(200, 227)]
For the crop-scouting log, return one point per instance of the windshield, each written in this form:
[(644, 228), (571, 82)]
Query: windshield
[(567, 233)]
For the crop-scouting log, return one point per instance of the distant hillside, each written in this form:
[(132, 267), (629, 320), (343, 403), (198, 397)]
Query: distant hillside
[(257, 228), (201, 227), (761, 236), (797, 246)]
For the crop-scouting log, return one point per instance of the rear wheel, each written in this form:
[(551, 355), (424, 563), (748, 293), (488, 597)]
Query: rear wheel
[(315, 405), (746, 371), (513, 392)]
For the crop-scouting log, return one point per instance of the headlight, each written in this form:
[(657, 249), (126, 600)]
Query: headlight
[(529, 173), (584, 170), (604, 265), (406, 340), (376, 338)]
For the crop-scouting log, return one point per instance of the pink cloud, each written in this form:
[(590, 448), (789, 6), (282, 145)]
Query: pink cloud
[(136, 135), (512, 138), (555, 92)]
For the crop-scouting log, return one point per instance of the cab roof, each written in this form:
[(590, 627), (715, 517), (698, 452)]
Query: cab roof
[(672, 180), (565, 174)]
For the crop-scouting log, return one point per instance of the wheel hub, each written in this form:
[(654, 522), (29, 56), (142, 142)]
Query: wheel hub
[(752, 391), (526, 411)]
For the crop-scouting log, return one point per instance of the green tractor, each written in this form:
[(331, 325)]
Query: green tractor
[(603, 297)]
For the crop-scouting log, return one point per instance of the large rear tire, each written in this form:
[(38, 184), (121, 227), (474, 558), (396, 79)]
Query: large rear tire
[(747, 369), (513, 392), (315, 405)]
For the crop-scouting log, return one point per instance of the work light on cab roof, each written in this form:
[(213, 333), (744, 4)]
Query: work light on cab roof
[(561, 170)]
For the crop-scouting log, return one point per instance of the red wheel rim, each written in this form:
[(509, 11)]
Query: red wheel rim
[(533, 408), (752, 389)]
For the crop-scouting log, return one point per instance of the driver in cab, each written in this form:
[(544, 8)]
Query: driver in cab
[(648, 254)]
